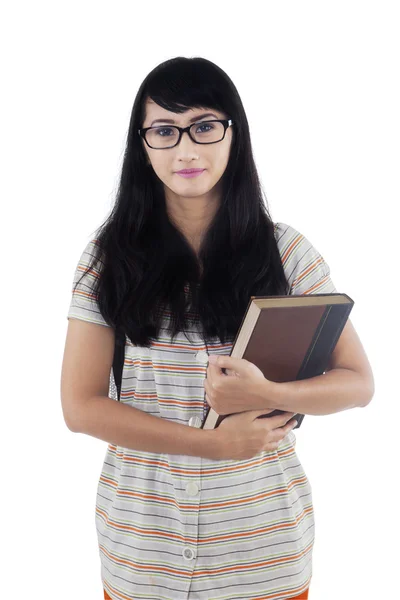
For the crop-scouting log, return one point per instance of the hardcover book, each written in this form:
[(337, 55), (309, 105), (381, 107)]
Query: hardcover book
[(288, 338)]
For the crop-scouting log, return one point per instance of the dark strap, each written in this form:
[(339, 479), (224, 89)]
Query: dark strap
[(118, 361)]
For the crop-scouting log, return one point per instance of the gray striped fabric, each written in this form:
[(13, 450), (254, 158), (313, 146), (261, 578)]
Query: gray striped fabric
[(187, 528)]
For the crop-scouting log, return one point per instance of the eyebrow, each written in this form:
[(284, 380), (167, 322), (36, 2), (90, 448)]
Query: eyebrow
[(190, 120)]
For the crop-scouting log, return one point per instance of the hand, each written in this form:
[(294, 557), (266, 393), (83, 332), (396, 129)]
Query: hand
[(243, 388), (244, 435)]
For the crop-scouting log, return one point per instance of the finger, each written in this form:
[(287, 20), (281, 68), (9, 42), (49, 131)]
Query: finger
[(281, 432), (277, 435), (228, 362), (213, 373), (207, 386), (231, 372), (208, 400), (277, 420), (281, 420)]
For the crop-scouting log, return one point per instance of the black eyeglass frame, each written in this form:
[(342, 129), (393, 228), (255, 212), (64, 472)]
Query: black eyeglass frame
[(225, 122)]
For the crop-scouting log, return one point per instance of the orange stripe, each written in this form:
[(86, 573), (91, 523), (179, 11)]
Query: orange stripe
[(177, 346), (198, 403), (79, 292), (147, 532), (160, 569), (118, 594), (91, 271), (172, 368), (264, 563), (310, 268), (204, 541), (317, 285), (165, 401), (238, 502), (303, 596), (209, 506), (294, 243), (177, 470)]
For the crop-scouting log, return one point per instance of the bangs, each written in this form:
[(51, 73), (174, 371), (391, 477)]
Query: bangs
[(182, 86)]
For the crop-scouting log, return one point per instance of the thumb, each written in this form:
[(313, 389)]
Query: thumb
[(227, 362)]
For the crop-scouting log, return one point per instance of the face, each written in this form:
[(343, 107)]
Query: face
[(187, 155)]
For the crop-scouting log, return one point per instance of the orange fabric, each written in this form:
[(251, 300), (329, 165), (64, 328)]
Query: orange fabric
[(303, 596)]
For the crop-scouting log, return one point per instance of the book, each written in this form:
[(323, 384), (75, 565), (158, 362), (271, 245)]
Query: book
[(288, 338)]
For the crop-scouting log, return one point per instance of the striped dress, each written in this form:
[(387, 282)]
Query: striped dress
[(176, 527)]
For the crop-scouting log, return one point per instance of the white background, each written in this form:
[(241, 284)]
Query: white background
[(320, 85)]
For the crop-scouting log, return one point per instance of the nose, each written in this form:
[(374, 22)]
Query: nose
[(186, 143)]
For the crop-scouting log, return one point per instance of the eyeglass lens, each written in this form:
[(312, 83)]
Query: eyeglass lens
[(166, 136)]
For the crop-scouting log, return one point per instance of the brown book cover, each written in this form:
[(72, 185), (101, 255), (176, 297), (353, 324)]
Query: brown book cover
[(288, 338)]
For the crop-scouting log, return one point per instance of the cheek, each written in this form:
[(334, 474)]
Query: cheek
[(223, 158), (162, 170)]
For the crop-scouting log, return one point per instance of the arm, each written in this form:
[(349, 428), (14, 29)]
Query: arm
[(348, 383), (336, 390), (123, 425), (85, 380)]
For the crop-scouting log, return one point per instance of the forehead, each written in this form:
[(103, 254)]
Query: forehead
[(155, 111)]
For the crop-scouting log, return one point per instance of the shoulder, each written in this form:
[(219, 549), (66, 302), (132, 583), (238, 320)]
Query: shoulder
[(292, 242), (92, 247), (89, 264), (287, 236), (305, 268), (84, 302), (91, 251)]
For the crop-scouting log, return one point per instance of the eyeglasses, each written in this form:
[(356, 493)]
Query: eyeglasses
[(168, 136)]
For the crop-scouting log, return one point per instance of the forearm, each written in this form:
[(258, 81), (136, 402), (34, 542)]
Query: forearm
[(336, 390), (129, 427)]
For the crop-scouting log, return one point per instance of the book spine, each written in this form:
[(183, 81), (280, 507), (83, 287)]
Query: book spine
[(331, 326), (317, 357)]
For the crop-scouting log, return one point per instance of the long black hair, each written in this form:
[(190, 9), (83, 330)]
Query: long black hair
[(143, 261)]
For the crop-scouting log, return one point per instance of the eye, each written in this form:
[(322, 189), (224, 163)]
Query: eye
[(206, 125), (160, 131)]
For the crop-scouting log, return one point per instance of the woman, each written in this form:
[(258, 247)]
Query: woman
[(182, 512)]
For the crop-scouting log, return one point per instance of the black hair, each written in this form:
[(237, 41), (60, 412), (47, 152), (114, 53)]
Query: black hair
[(144, 261)]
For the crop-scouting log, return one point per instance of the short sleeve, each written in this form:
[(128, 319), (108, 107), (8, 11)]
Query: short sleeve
[(83, 304), (305, 268)]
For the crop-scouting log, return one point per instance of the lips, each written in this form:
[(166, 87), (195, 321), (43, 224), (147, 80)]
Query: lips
[(190, 171)]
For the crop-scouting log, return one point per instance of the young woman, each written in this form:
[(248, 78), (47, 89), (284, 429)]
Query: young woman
[(184, 513)]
